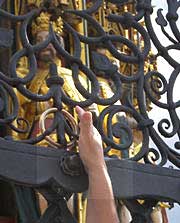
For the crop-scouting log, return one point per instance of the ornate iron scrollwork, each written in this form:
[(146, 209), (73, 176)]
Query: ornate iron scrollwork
[(151, 84)]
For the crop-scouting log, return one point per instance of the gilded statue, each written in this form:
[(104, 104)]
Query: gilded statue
[(32, 111)]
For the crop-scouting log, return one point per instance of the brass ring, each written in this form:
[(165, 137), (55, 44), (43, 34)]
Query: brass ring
[(71, 120)]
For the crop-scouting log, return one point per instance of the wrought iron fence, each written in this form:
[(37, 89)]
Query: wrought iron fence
[(152, 84)]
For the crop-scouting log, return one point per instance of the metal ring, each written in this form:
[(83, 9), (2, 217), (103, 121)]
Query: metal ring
[(71, 120)]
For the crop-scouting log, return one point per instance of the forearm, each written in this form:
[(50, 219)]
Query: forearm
[(101, 206)]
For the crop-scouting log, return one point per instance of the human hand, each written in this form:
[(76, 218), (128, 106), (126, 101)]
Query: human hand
[(90, 142)]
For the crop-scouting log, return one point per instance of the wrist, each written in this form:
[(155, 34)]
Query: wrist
[(97, 170)]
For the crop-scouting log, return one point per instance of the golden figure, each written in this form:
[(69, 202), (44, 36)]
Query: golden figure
[(32, 111)]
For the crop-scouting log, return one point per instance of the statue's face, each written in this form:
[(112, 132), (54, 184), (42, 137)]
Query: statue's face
[(49, 53)]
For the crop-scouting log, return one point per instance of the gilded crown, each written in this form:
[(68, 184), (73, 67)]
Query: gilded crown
[(43, 21)]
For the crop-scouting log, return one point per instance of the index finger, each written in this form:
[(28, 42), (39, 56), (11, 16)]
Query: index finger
[(84, 117)]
